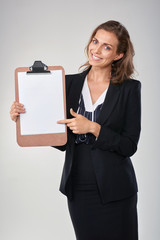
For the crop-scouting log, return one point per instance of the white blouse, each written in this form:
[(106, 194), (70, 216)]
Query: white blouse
[(89, 106)]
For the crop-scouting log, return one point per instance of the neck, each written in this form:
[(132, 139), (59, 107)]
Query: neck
[(97, 74)]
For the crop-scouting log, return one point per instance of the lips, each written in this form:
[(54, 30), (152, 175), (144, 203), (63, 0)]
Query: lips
[(95, 58)]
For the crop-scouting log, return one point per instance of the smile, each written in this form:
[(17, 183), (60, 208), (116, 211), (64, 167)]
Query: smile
[(95, 58)]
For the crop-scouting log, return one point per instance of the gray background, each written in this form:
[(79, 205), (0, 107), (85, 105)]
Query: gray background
[(56, 32)]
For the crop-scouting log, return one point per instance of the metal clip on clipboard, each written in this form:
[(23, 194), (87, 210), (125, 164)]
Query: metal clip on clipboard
[(38, 67)]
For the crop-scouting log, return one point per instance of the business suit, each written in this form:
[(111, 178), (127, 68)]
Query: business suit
[(120, 121)]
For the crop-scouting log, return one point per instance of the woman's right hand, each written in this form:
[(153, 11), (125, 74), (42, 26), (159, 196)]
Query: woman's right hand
[(15, 110)]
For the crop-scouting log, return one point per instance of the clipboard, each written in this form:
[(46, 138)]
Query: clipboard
[(42, 91)]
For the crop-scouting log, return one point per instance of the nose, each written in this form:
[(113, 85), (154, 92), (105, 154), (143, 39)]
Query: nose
[(98, 49)]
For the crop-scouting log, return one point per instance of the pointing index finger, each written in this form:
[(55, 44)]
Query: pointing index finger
[(65, 121)]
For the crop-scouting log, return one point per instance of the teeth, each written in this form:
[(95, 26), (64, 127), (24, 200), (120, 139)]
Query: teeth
[(96, 58)]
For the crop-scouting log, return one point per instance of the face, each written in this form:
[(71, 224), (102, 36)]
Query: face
[(102, 50)]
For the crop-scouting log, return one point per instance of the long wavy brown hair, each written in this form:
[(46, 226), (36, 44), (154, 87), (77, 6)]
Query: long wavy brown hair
[(123, 68)]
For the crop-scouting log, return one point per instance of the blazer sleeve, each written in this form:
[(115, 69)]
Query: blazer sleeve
[(61, 148), (125, 142)]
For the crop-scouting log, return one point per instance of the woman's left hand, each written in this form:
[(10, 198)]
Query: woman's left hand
[(78, 124)]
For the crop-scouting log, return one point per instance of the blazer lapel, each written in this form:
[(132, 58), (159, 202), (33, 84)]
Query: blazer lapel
[(77, 85), (109, 102)]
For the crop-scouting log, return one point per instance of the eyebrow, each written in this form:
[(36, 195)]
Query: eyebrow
[(104, 43)]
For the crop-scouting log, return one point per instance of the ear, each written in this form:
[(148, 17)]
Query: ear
[(119, 56)]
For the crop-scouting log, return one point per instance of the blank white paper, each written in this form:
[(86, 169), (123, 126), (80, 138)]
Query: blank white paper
[(42, 96)]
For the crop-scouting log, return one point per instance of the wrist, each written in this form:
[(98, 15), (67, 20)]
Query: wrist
[(95, 128)]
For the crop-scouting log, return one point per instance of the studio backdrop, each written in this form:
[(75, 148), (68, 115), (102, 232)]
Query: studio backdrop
[(56, 32)]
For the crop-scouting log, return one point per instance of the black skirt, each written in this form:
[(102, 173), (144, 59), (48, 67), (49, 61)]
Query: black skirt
[(91, 219)]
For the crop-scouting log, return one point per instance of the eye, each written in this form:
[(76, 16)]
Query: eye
[(107, 47), (94, 41)]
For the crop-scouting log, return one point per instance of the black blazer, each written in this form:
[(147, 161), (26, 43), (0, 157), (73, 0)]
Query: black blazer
[(120, 121)]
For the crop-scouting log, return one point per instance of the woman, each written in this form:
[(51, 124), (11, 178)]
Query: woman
[(103, 119)]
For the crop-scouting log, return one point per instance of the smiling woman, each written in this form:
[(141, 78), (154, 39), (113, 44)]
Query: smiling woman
[(104, 130), (104, 123)]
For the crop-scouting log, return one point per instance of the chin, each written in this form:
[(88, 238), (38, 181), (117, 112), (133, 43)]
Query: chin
[(95, 64)]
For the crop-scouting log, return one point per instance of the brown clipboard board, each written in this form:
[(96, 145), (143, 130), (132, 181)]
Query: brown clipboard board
[(49, 139)]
